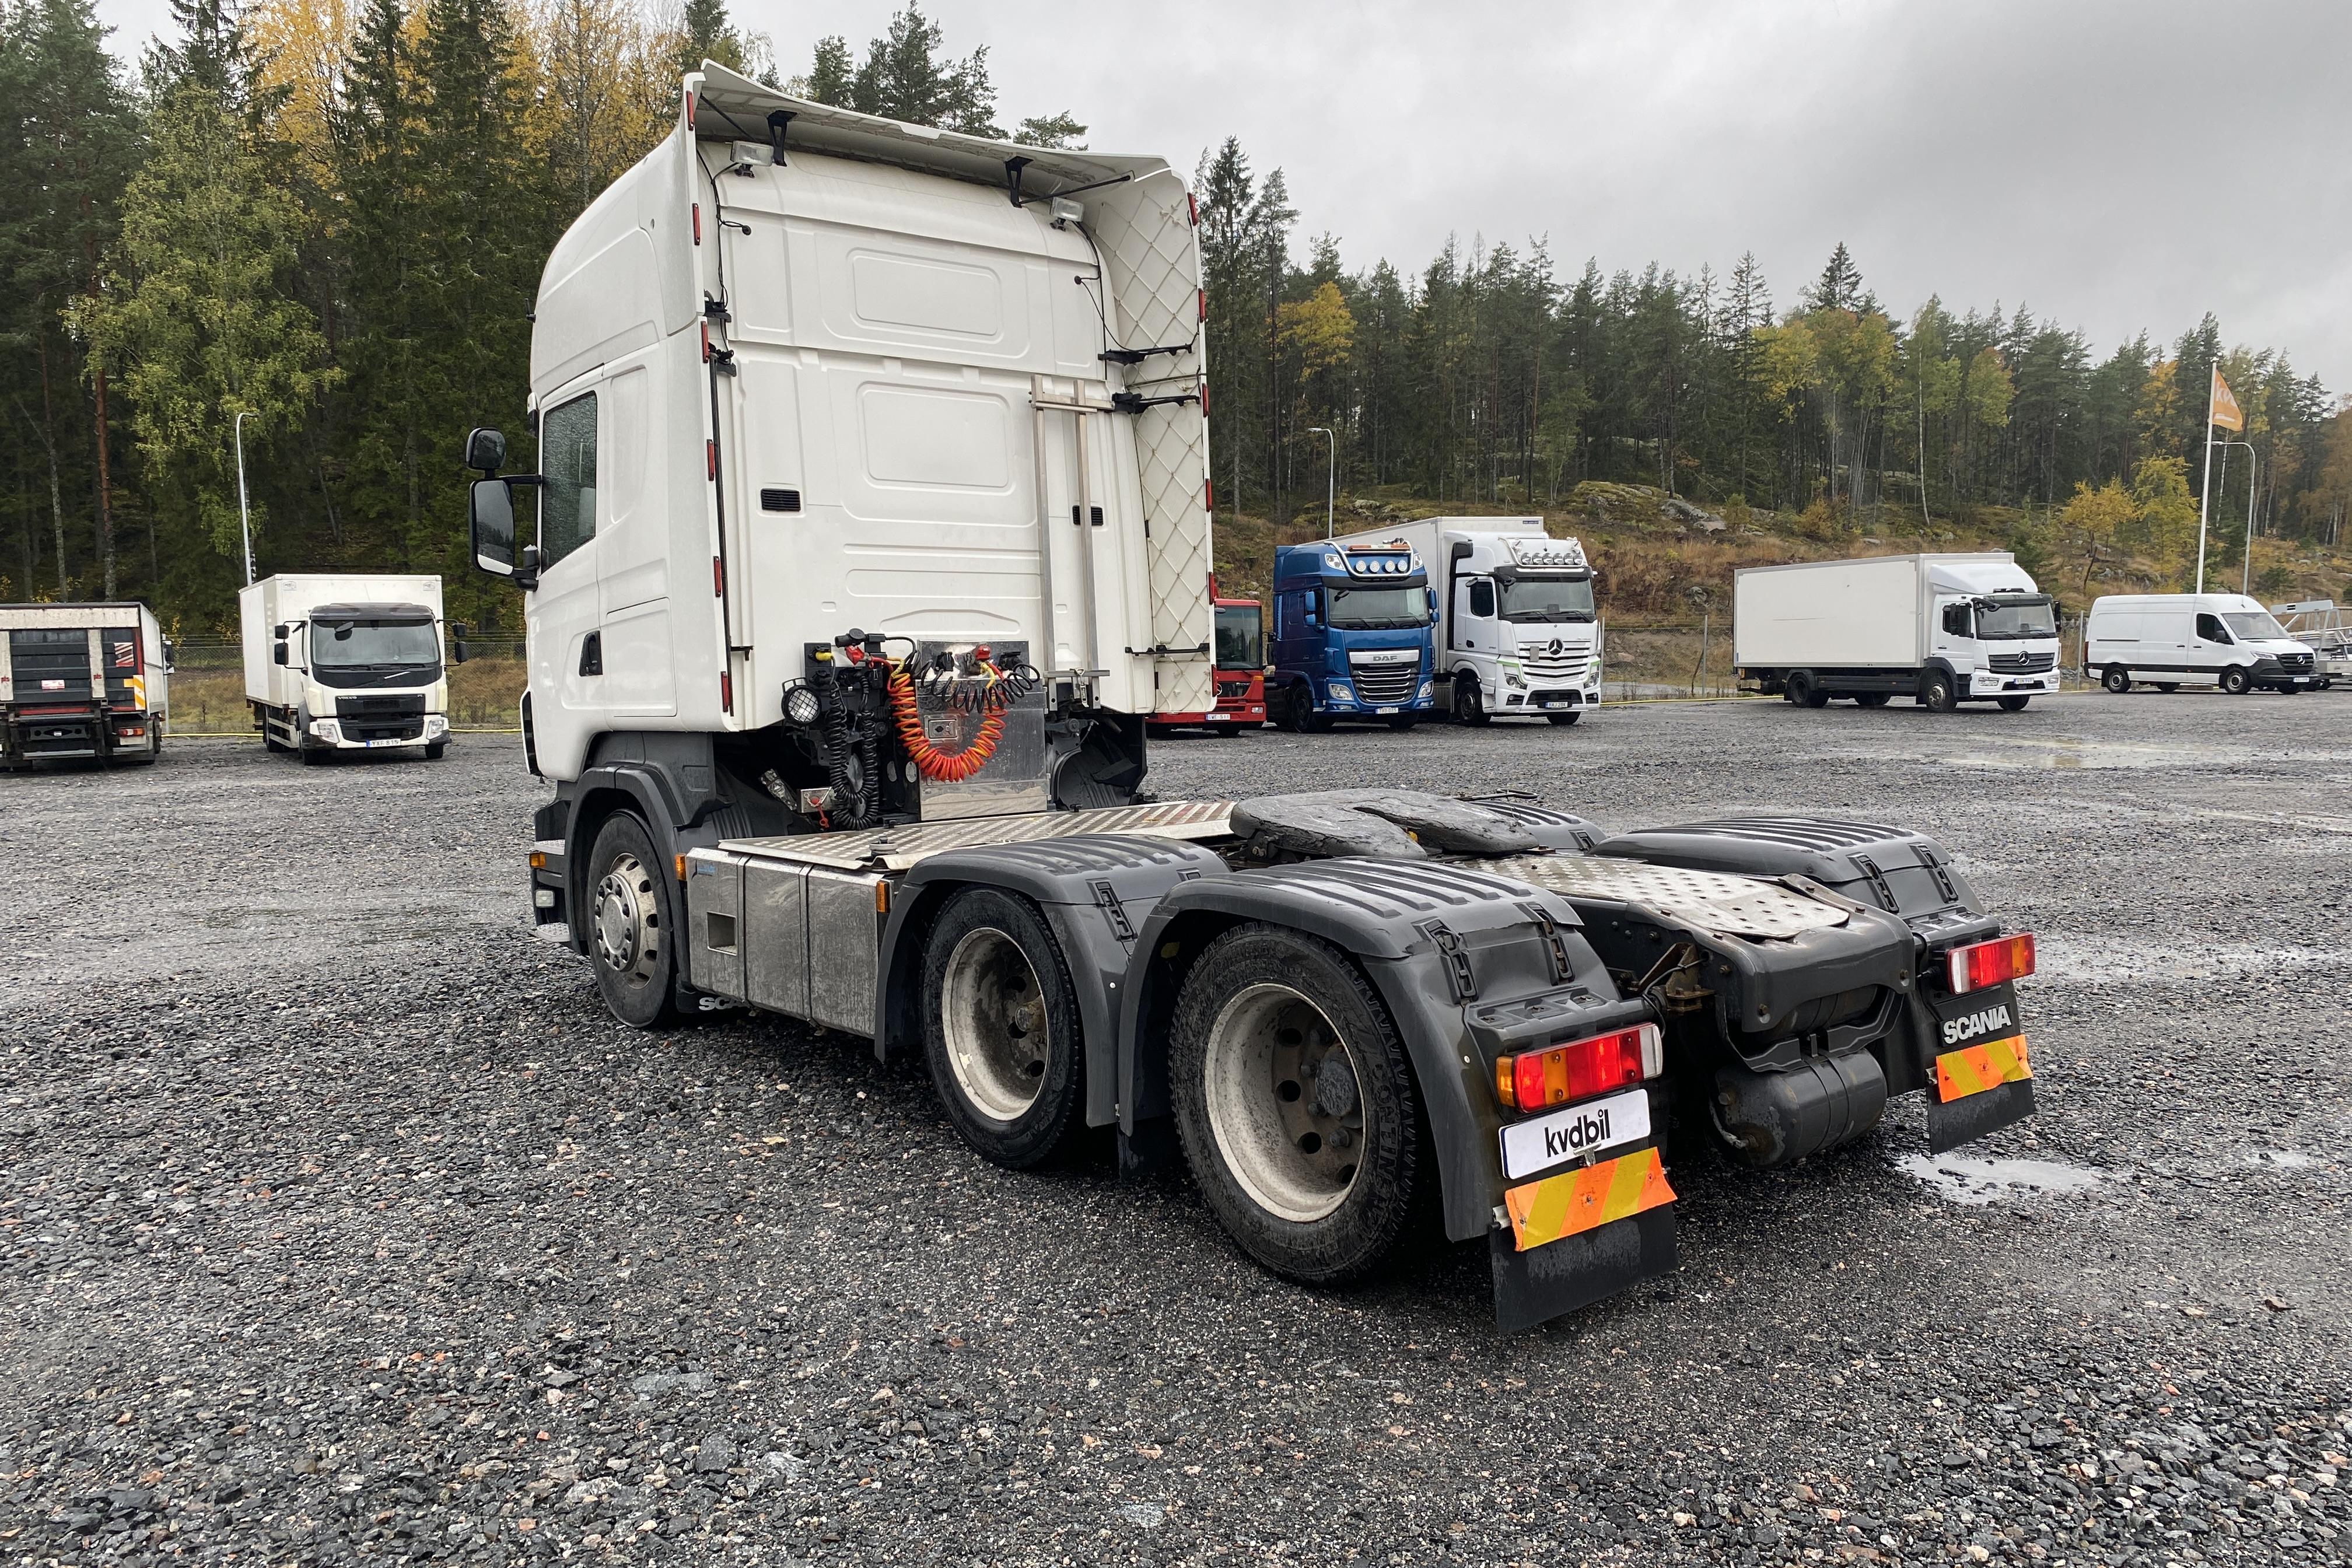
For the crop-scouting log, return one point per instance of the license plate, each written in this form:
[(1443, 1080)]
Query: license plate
[(1221, 718), (1383, 709), (1529, 1146)]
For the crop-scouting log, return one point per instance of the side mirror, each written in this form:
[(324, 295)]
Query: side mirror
[(491, 509), (281, 630), (1432, 599), (277, 654), (486, 449), (457, 654), (171, 655)]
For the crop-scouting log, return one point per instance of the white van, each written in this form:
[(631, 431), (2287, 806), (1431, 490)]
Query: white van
[(2172, 640)]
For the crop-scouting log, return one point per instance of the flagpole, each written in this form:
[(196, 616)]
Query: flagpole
[(2205, 497)]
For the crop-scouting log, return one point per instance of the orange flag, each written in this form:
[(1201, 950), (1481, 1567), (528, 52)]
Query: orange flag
[(2226, 412)]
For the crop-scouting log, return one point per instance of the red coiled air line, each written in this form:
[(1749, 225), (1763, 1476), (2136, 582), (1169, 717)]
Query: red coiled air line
[(941, 767)]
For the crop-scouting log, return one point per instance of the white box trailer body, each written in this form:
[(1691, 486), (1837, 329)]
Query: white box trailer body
[(1940, 628), (857, 386), (1518, 634), (87, 682), (2170, 640), (346, 662)]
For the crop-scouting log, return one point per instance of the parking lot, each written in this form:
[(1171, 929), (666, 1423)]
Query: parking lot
[(340, 1222)]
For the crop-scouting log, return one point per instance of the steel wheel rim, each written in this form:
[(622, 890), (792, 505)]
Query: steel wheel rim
[(1284, 1103), (995, 1023), (627, 920)]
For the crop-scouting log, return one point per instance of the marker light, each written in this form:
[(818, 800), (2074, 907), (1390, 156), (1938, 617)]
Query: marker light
[(1579, 1070), (1988, 963)]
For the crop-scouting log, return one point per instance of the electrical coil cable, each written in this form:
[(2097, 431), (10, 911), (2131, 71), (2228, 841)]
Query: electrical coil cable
[(942, 682), (857, 797)]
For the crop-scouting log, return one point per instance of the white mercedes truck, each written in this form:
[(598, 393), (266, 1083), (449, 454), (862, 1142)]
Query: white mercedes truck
[(1939, 629), (1518, 634), (872, 525), (347, 662)]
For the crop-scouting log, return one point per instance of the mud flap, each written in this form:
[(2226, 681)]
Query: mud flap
[(1963, 1120), (1539, 1284)]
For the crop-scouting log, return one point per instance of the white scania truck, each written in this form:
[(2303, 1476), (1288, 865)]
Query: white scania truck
[(1518, 635), (347, 662), (1939, 629), (872, 526)]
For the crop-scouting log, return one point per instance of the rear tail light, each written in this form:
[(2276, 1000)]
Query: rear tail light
[(1988, 963), (1579, 1069)]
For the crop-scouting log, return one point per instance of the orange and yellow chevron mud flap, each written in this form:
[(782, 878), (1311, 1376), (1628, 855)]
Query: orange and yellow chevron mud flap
[(1980, 1089), (1580, 1237)]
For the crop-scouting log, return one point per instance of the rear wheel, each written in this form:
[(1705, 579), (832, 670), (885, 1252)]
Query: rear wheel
[(1936, 694), (1805, 692), (2236, 681), (632, 925), (2014, 704), (1470, 703), (1295, 1104), (1001, 1027), (2117, 679), (1564, 718)]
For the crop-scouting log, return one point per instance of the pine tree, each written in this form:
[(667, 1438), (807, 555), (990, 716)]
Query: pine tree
[(1839, 288), (704, 34)]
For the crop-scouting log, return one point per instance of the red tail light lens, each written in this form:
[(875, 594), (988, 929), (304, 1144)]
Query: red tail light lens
[(1990, 963), (1579, 1069)]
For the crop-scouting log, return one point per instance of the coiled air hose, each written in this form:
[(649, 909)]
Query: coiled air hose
[(947, 767), (856, 798)]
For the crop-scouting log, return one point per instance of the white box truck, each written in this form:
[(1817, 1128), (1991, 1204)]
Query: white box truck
[(1940, 629), (2171, 640), (1518, 635), (338, 661), (872, 527), (82, 682)]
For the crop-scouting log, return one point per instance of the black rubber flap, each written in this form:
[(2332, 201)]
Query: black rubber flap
[(1970, 1117), (1538, 1285), (1379, 825)]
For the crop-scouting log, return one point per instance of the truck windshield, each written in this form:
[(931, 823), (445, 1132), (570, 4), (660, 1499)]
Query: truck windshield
[(2022, 617), (1238, 642), (1528, 599), (349, 652), (1360, 609), (2254, 626)]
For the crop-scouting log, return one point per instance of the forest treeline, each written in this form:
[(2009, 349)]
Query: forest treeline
[(331, 216)]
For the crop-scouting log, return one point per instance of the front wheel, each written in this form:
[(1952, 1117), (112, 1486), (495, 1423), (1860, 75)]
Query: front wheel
[(2117, 679), (2014, 704), (1564, 718), (1298, 713), (1001, 1027), (1403, 721), (2236, 681), (633, 927), (1470, 703), (434, 750), (1295, 1104), (1936, 694)]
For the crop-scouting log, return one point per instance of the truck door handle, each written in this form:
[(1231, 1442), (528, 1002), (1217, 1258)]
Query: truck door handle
[(592, 653)]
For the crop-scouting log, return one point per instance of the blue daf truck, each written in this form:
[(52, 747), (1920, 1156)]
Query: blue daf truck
[(1353, 636)]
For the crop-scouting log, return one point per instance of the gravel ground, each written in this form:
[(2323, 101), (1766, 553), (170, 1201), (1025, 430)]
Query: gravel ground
[(340, 1222)]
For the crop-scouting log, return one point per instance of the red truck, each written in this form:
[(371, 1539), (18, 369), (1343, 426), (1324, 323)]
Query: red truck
[(1239, 651)]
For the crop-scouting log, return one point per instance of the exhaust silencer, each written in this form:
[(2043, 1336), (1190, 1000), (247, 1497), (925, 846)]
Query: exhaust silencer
[(1768, 1119)]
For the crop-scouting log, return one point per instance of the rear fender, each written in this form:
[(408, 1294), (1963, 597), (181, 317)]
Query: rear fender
[(1456, 955)]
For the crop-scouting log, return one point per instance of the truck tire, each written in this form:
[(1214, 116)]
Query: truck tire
[(1870, 698), (1295, 1104), (2014, 704), (1001, 1028), (633, 924), (1564, 718), (433, 750), (1470, 703), (2236, 681), (1936, 692), (312, 756), (2117, 679), (1403, 721), (1804, 693), (1298, 713)]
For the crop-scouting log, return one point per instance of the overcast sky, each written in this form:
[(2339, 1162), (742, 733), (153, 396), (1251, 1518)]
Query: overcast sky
[(2112, 166)]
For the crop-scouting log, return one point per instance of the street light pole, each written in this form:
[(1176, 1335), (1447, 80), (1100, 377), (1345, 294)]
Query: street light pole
[(2253, 467), (244, 512), (1331, 474)]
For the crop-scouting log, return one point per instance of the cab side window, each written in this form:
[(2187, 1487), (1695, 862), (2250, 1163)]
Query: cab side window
[(1956, 620), (2209, 629), (567, 502), (1482, 598)]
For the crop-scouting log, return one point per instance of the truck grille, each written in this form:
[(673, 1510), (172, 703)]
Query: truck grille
[(51, 666), (394, 716), (1233, 688), (2021, 663), (2295, 663), (1544, 668), (1385, 685)]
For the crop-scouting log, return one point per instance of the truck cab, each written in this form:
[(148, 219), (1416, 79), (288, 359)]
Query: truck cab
[(1238, 652), (1352, 634), (338, 662)]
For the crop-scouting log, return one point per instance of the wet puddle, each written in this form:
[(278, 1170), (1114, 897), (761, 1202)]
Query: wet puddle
[(1963, 1180)]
